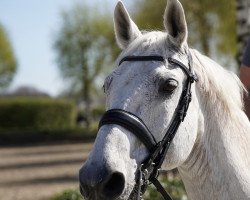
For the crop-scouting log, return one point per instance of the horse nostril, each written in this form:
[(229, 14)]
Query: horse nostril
[(114, 187)]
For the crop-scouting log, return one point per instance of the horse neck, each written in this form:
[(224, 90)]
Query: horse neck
[(218, 167)]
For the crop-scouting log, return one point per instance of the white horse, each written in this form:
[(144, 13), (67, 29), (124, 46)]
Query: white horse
[(211, 148)]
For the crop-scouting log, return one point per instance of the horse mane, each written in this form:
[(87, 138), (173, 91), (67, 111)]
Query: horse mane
[(220, 95), (222, 88)]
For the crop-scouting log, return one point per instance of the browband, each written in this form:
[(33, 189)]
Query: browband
[(188, 71), (142, 58)]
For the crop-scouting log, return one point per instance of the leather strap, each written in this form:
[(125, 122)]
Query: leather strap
[(142, 58), (187, 71), (161, 189), (132, 123)]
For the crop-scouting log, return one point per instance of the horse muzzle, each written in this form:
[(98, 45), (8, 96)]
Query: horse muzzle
[(100, 183)]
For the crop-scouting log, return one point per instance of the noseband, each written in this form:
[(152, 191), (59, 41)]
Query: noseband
[(149, 168)]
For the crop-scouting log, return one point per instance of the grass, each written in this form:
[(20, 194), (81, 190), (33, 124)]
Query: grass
[(67, 195)]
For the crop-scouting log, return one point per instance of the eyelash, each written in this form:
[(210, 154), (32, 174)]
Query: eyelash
[(107, 84), (168, 86)]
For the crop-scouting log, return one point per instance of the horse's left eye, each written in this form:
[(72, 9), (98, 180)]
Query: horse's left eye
[(168, 86), (107, 83)]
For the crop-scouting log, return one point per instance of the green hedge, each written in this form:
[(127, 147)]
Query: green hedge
[(36, 114), (68, 195), (97, 112)]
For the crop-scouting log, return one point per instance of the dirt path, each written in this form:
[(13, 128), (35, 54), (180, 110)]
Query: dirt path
[(37, 172)]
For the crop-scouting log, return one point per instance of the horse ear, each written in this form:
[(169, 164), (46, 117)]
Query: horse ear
[(175, 22), (125, 29)]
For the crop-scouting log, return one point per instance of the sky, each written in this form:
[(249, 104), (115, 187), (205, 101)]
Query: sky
[(32, 26)]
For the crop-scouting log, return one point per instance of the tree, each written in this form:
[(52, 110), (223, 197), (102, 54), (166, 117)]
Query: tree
[(27, 91), (85, 42), (8, 63), (211, 23), (243, 26), (84, 50)]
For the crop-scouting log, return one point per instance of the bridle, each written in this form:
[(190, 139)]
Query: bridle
[(148, 171), (149, 168)]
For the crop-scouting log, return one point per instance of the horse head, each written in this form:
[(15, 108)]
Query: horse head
[(150, 90)]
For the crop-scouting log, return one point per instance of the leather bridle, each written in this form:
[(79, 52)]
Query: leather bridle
[(148, 171)]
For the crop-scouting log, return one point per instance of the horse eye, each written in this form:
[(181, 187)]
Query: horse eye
[(168, 86)]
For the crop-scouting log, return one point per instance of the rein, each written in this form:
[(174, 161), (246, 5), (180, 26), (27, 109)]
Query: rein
[(149, 169)]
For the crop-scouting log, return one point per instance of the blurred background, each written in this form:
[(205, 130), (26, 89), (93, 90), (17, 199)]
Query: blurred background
[(54, 56)]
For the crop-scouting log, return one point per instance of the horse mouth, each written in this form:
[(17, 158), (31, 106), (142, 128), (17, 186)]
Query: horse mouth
[(126, 195), (93, 196)]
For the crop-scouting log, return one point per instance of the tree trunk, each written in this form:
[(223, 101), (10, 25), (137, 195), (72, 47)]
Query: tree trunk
[(243, 26), (243, 34), (86, 89), (87, 101)]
